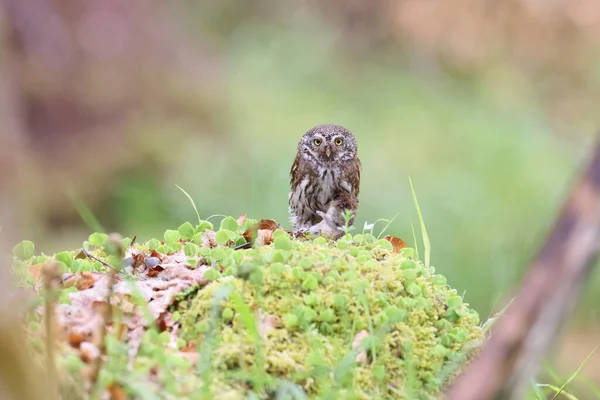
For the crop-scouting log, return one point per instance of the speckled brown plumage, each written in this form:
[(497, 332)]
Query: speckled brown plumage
[(326, 169)]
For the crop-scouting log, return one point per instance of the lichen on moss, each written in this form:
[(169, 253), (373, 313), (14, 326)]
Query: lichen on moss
[(311, 298)]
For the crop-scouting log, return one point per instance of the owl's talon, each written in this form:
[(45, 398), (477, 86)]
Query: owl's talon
[(299, 233)]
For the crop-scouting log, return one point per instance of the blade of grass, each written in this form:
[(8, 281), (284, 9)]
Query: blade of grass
[(246, 315), (250, 322), (140, 388), (494, 306), (84, 212), (577, 371), (415, 240), (592, 386), (389, 222), (426, 242), (396, 391), (487, 325), (410, 386), (289, 388), (374, 224), (558, 391), (365, 304), (204, 367), (551, 372), (537, 391), (216, 215), (191, 201)]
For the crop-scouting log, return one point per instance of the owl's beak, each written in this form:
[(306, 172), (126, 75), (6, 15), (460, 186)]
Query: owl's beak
[(328, 152)]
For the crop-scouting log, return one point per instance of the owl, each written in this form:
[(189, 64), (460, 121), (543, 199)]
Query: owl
[(325, 180)]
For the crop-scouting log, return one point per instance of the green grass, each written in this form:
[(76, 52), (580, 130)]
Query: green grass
[(557, 390), (424, 235)]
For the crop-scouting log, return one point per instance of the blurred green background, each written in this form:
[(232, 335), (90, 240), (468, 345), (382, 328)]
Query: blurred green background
[(489, 108)]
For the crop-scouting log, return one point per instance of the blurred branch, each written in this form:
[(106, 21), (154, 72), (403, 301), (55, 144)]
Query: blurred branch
[(51, 274), (524, 333)]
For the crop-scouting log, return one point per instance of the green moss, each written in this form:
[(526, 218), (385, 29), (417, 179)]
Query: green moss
[(324, 294), (288, 315)]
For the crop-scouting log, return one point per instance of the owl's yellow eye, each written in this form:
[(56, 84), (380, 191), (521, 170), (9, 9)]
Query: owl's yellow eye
[(317, 142), (338, 141)]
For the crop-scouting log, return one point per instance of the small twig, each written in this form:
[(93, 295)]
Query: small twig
[(106, 316), (50, 273), (246, 245), (106, 312), (93, 257), (120, 272)]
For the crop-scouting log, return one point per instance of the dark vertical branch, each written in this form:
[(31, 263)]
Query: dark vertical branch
[(523, 334)]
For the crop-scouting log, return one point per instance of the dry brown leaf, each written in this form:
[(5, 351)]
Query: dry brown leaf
[(397, 243), (154, 271), (154, 253), (117, 392), (190, 347), (86, 280), (83, 326), (241, 219), (88, 352), (249, 234), (75, 338), (174, 336), (362, 356), (82, 320), (268, 224), (138, 259), (81, 280), (36, 272), (264, 237), (261, 232), (131, 251), (209, 239), (164, 321)]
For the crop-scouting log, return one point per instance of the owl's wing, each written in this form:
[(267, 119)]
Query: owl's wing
[(354, 176), (295, 175)]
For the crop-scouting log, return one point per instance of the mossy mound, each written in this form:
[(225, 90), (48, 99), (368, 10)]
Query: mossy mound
[(292, 310), (359, 318)]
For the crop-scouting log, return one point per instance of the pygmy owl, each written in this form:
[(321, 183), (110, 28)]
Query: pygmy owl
[(325, 180)]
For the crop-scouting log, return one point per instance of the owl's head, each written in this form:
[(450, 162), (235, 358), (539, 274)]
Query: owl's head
[(328, 144)]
